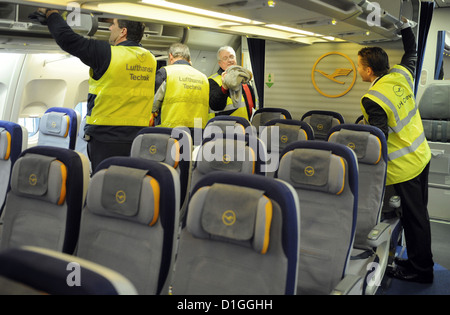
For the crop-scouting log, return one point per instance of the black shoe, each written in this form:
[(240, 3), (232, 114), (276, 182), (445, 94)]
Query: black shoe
[(408, 274), (405, 263)]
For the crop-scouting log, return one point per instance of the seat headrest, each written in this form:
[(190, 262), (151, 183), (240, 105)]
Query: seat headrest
[(157, 147), (434, 101), (229, 213), (321, 124), (278, 136), (126, 193), (313, 169), (223, 126), (5, 144), (226, 154), (55, 124), (40, 177), (262, 118), (366, 146)]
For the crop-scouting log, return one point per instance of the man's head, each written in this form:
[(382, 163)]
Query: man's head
[(122, 30), (179, 52), (226, 57), (373, 62)]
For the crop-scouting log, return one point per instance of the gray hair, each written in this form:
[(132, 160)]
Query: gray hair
[(229, 48), (178, 50)]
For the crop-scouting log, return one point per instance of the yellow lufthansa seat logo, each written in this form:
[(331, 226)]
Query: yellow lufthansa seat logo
[(309, 171), (53, 124), (121, 196), (328, 72), (284, 138), (319, 127), (153, 149), (226, 159), (32, 180), (351, 145), (229, 217)]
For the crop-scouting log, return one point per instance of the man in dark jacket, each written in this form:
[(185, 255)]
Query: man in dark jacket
[(390, 105), (121, 83)]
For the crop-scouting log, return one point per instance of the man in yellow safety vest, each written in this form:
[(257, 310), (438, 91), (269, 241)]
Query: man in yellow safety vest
[(390, 105), (121, 83), (182, 91), (220, 101)]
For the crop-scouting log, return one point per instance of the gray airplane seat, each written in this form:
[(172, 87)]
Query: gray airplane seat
[(372, 237), (39, 271), (266, 114), (325, 177), (278, 133), (13, 140), (58, 127), (321, 121), (130, 221), (434, 107), (235, 153), (241, 237), (172, 146), (228, 124), (43, 206)]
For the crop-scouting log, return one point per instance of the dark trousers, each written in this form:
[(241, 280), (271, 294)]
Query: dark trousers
[(99, 150), (415, 220)]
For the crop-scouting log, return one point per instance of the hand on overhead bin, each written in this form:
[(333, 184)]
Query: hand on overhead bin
[(41, 15)]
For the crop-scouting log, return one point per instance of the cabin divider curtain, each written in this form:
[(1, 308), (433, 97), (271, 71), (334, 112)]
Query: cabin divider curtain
[(257, 51), (439, 55), (426, 14)]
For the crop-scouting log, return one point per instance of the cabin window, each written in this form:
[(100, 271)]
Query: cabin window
[(81, 108), (31, 123)]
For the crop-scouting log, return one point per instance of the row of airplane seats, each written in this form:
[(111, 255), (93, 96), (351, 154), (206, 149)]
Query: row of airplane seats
[(119, 171)]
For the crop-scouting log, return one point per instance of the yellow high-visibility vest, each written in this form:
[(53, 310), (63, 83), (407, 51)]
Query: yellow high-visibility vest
[(125, 93), (240, 109), (186, 97), (408, 150)]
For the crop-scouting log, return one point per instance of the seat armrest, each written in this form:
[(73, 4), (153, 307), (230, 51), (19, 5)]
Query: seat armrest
[(350, 285), (380, 234)]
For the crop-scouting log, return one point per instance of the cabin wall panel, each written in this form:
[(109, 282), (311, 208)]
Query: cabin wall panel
[(290, 67), (11, 65), (49, 80)]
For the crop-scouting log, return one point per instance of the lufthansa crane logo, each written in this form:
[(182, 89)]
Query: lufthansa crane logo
[(229, 217), (398, 90), (121, 196), (351, 145), (141, 56), (226, 159), (32, 179), (153, 149), (284, 138), (325, 72), (309, 171)]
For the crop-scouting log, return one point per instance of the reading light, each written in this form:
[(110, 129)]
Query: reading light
[(271, 4)]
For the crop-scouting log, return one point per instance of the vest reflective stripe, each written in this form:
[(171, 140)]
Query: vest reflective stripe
[(186, 98), (241, 109), (124, 94), (400, 123), (408, 150), (406, 75)]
